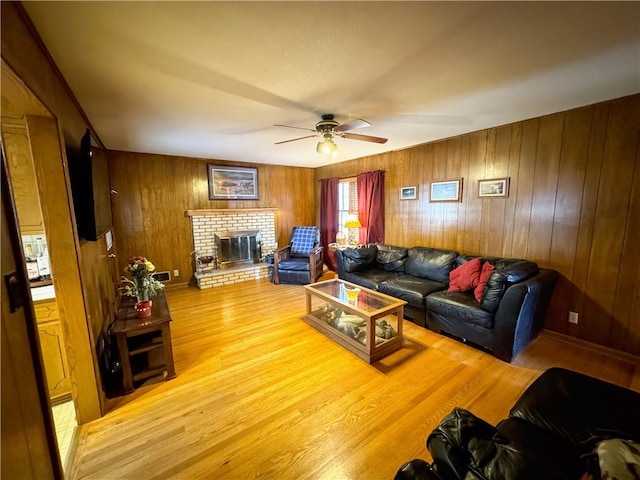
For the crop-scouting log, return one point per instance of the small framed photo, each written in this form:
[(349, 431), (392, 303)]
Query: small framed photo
[(408, 193), (446, 191), (494, 187), (232, 183)]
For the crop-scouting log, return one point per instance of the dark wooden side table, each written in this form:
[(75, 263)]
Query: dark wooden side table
[(144, 343)]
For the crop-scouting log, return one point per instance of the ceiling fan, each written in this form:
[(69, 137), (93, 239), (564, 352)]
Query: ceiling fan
[(327, 128)]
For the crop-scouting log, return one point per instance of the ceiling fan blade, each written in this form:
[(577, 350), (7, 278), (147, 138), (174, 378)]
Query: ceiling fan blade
[(295, 139), (299, 128), (364, 138), (352, 125)]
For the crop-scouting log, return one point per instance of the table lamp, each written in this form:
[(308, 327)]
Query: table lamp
[(352, 224)]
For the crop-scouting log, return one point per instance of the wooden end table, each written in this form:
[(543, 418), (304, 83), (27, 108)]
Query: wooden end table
[(144, 343)]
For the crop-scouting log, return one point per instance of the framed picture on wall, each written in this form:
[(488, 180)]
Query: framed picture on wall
[(446, 191), (408, 193), (232, 183), (494, 187)]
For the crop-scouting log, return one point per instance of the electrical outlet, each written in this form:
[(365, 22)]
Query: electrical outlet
[(573, 317), (176, 273)]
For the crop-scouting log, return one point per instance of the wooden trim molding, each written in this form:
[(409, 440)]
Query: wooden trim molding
[(228, 211), (612, 352)]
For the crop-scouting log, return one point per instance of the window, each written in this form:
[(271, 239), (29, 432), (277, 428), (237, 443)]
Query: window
[(347, 201)]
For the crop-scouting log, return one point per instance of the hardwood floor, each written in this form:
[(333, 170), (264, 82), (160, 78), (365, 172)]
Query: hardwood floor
[(261, 394)]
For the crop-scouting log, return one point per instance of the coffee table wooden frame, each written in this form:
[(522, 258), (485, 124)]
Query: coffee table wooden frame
[(370, 352)]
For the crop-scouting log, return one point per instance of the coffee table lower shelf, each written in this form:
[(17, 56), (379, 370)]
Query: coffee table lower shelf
[(368, 355)]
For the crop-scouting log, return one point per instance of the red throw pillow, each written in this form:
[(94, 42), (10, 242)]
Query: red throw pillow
[(487, 270), (465, 277)]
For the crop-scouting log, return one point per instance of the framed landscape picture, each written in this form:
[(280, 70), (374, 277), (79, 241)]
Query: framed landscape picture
[(494, 187), (446, 191), (408, 193), (232, 183)]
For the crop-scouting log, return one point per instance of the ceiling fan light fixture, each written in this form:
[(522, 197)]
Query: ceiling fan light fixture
[(327, 146)]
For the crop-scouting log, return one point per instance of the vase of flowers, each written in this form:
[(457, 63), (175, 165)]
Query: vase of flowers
[(141, 285)]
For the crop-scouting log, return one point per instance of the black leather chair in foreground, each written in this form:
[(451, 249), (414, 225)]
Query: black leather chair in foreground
[(564, 426)]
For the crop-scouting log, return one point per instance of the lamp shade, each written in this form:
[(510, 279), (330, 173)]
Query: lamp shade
[(352, 222)]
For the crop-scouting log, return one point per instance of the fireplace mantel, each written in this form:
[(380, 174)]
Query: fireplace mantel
[(227, 211)]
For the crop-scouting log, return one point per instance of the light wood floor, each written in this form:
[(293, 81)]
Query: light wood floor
[(261, 394)]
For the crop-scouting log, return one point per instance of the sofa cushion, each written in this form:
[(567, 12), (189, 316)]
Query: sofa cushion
[(487, 270), (391, 258), (303, 240), (459, 306), (295, 263), (431, 263), (465, 277), (411, 289), (369, 278), (359, 258)]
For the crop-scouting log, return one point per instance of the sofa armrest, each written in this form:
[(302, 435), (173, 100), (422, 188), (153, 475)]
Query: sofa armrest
[(279, 255), (520, 314), (315, 263)]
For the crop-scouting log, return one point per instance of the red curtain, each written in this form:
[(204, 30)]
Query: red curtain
[(371, 206), (329, 218)]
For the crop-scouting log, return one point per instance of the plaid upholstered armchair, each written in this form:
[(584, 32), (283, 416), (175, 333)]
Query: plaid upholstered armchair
[(300, 262)]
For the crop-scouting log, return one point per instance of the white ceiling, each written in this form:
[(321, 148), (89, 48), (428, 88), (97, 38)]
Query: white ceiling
[(210, 79)]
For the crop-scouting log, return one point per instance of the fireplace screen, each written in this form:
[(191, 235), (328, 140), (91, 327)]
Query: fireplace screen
[(238, 247)]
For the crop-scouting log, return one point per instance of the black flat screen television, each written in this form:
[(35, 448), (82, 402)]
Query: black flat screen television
[(89, 172)]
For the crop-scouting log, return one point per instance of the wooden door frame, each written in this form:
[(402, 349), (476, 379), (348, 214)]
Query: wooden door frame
[(64, 245), (35, 452)]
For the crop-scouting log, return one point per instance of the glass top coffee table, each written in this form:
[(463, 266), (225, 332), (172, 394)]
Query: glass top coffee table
[(364, 322)]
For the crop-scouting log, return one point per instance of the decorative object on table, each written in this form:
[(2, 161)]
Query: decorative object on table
[(142, 285), (408, 193), (494, 187), (341, 239), (143, 309), (352, 293), (352, 224), (232, 183), (446, 191)]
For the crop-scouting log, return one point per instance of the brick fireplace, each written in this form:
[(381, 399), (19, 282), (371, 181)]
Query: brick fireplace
[(206, 224)]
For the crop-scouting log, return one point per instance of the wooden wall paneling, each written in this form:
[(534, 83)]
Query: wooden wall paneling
[(64, 255), (526, 171), (437, 221), (629, 297), (451, 217), (611, 217), (624, 334), (414, 219), (396, 210), (428, 159), (589, 197), (511, 200), (473, 205), (545, 184), (497, 167), (568, 205)]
